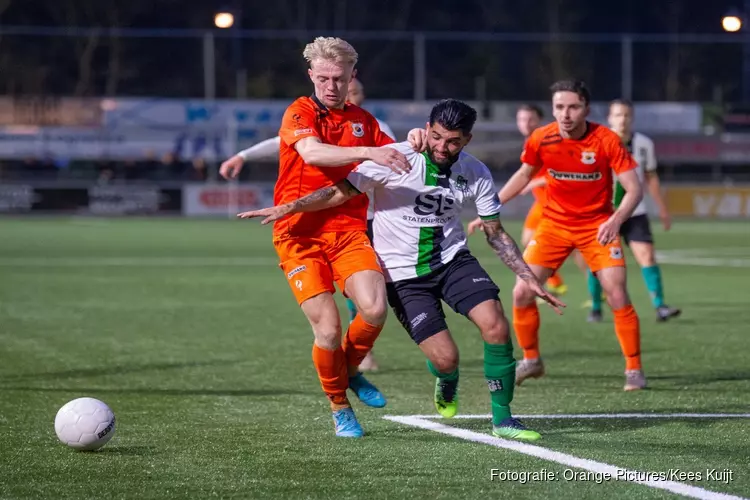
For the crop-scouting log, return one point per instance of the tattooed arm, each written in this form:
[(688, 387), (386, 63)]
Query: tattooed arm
[(509, 253), (321, 199), (505, 248)]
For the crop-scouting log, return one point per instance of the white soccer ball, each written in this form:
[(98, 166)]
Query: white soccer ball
[(85, 424)]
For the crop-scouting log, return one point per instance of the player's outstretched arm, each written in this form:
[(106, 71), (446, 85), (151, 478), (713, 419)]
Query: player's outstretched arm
[(314, 152), (507, 249), (535, 183), (321, 199), (231, 168), (517, 183)]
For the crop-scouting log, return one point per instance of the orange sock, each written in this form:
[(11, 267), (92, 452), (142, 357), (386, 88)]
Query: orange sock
[(555, 280), (526, 325), (331, 367), (628, 330), (358, 341)]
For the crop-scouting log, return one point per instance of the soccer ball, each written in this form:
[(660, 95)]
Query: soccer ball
[(85, 424)]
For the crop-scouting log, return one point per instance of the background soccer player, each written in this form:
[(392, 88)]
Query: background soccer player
[(232, 167), (579, 158), (636, 231), (420, 240), (322, 139)]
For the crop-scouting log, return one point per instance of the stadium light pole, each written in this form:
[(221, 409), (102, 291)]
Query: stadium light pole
[(209, 66), (733, 22), (231, 19)]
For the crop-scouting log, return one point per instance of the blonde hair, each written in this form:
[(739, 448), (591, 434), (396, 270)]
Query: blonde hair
[(330, 49)]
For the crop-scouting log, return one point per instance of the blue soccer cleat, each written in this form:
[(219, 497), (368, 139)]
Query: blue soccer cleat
[(366, 392), (346, 424)]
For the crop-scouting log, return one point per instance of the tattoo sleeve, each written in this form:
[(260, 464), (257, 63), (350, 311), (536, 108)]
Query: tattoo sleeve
[(505, 248), (323, 198)]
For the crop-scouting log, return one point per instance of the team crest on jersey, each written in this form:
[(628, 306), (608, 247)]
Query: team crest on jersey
[(461, 183), (358, 130), (588, 157)]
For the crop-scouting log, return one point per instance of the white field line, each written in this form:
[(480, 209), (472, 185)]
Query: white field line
[(581, 416), (612, 471)]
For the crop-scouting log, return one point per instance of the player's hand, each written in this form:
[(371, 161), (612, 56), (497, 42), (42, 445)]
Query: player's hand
[(550, 299), (389, 157), (418, 139), (271, 214), (608, 231), (231, 168), (475, 225), (666, 220)]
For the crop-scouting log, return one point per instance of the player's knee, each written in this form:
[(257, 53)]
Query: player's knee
[(644, 254), (522, 294), (618, 297), (497, 332), (327, 336), (375, 310), (445, 361)]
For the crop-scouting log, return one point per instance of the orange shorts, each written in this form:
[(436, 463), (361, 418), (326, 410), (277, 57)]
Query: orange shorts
[(553, 242), (534, 217), (313, 264)]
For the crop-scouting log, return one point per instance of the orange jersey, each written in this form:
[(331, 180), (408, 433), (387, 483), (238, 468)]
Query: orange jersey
[(539, 193), (579, 171), (348, 127)]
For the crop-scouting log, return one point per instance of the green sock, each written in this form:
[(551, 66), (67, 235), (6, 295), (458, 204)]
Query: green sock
[(500, 372), (442, 376), (595, 290), (652, 277), (352, 309)]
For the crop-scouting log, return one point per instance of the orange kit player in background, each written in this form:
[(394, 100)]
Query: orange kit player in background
[(323, 138), (578, 158), (528, 119)]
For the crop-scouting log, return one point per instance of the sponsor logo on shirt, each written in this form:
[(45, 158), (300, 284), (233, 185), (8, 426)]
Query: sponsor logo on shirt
[(576, 176), (302, 131), (433, 204)]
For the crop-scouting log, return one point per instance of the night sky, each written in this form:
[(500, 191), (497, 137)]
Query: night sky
[(154, 63)]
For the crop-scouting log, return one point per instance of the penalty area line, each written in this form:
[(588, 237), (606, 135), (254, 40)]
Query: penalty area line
[(563, 458)]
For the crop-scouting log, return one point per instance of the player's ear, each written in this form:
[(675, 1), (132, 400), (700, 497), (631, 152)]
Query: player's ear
[(467, 139), (354, 75), (588, 110), (309, 73)]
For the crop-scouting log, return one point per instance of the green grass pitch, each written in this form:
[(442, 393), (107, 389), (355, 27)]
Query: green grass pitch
[(187, 329)]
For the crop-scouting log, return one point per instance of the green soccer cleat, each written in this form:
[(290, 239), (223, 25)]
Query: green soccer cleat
[(512, 428), (446, 397)]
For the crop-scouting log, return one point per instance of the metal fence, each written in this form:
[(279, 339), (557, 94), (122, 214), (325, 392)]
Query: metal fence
[(396, 65)]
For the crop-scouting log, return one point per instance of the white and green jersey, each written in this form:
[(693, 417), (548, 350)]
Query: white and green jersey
[(417, 226), (642, 149)]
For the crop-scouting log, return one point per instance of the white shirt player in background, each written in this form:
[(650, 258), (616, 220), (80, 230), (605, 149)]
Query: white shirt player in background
[(269, 148), (419, 238), (636, 231)]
